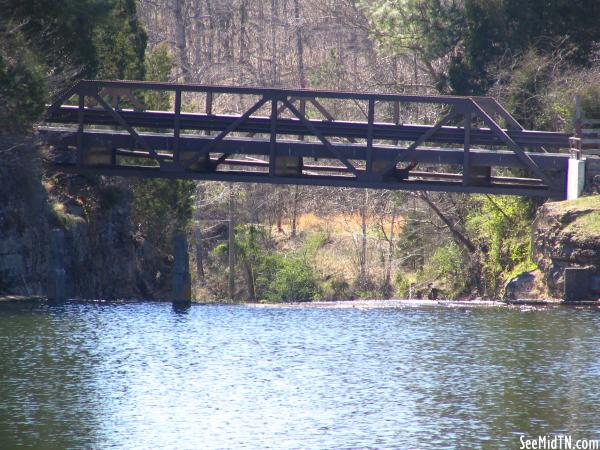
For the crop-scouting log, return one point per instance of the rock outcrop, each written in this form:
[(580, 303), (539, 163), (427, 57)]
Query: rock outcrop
[(566, 234), (104, 256)]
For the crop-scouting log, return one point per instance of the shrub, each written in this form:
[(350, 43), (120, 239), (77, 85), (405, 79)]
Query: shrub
[(336, 289), (292, 279), (111, 196)]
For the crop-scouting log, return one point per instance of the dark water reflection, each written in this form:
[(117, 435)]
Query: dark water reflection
[(144, 376)]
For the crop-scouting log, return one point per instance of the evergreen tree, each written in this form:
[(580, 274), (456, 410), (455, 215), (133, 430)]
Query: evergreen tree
[(46, 45), (474, 35), (121, 44)]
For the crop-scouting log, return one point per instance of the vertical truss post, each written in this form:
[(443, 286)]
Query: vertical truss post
[(396, 116), (177, 126), (209, 103), (371, 120), (303, 111), (467, 148), (208, 108), (273, 143), (80, 120)]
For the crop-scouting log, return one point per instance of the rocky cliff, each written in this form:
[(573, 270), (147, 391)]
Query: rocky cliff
[(104, 256), (566, 234)]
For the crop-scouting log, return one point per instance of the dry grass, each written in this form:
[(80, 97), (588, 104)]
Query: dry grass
[(340, 223), (587, 224), (589, 202)]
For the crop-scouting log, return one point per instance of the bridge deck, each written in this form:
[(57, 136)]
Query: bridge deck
[(108, 132)]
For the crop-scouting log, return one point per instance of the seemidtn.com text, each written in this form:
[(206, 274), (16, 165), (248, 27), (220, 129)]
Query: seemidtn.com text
[(558, 442)]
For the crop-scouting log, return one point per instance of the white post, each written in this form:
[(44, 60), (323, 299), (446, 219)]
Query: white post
[(575, 178)]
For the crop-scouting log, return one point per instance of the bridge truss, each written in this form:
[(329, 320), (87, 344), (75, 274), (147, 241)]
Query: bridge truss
[(284, 136)]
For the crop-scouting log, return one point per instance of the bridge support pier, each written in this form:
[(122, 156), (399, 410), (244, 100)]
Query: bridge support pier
[(575, 178), (577, 284), (182, 281), (56, 288)]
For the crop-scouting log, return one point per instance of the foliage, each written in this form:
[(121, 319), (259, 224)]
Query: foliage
[(336, 288), (590, 100), (330, 73), (293, 278), (313, 242), (110, 196), (502, 227), (61, 34), (271, 275), (161, 207), (429, 29), (473, 35), (448, 269), (495, 29), (403, 284), (158, 67), (121, 43), (527, 92), (410, 243), (45, 45), (22, 84), (63, 219)]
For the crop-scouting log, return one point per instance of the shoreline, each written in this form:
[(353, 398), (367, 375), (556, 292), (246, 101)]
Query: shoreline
[(336, 304), (402, 303)]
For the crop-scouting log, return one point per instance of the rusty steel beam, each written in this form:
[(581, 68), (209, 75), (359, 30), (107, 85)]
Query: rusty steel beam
[(316, 180), (246, 146), (364, 162), (341, 129)]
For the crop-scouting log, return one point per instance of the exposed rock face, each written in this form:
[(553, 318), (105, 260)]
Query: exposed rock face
[(528, 285), (566, 234), (104, 257)]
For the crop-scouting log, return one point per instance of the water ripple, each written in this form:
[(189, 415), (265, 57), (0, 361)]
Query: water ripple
[(143, 376)]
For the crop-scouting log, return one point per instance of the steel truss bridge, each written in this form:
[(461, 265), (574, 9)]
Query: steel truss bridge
[(293, 137)]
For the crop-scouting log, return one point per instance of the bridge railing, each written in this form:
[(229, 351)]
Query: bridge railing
[(112, 123), (587, 131)]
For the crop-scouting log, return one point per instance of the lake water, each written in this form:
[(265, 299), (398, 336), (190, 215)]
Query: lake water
[(417, 377)]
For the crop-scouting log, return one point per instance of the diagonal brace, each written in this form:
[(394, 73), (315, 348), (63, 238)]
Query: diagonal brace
[(128, 127), (208, 147), (59, 99), (413, 147), (320, 136), (326, 114), (525, 159)]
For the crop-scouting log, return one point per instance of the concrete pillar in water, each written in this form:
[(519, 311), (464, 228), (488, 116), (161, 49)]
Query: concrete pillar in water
[(182, 281), (575, 178), (56, 289)]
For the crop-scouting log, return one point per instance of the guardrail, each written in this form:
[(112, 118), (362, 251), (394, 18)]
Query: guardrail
[(587, 132)]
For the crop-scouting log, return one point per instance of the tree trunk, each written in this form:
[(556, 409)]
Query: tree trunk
[(456, 234), (249, 275), (181, 41), (242, 41), (274, 80), (279, 210), (198, 234), (363, 249), (390, 252), (295, 210), (299, 46)]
